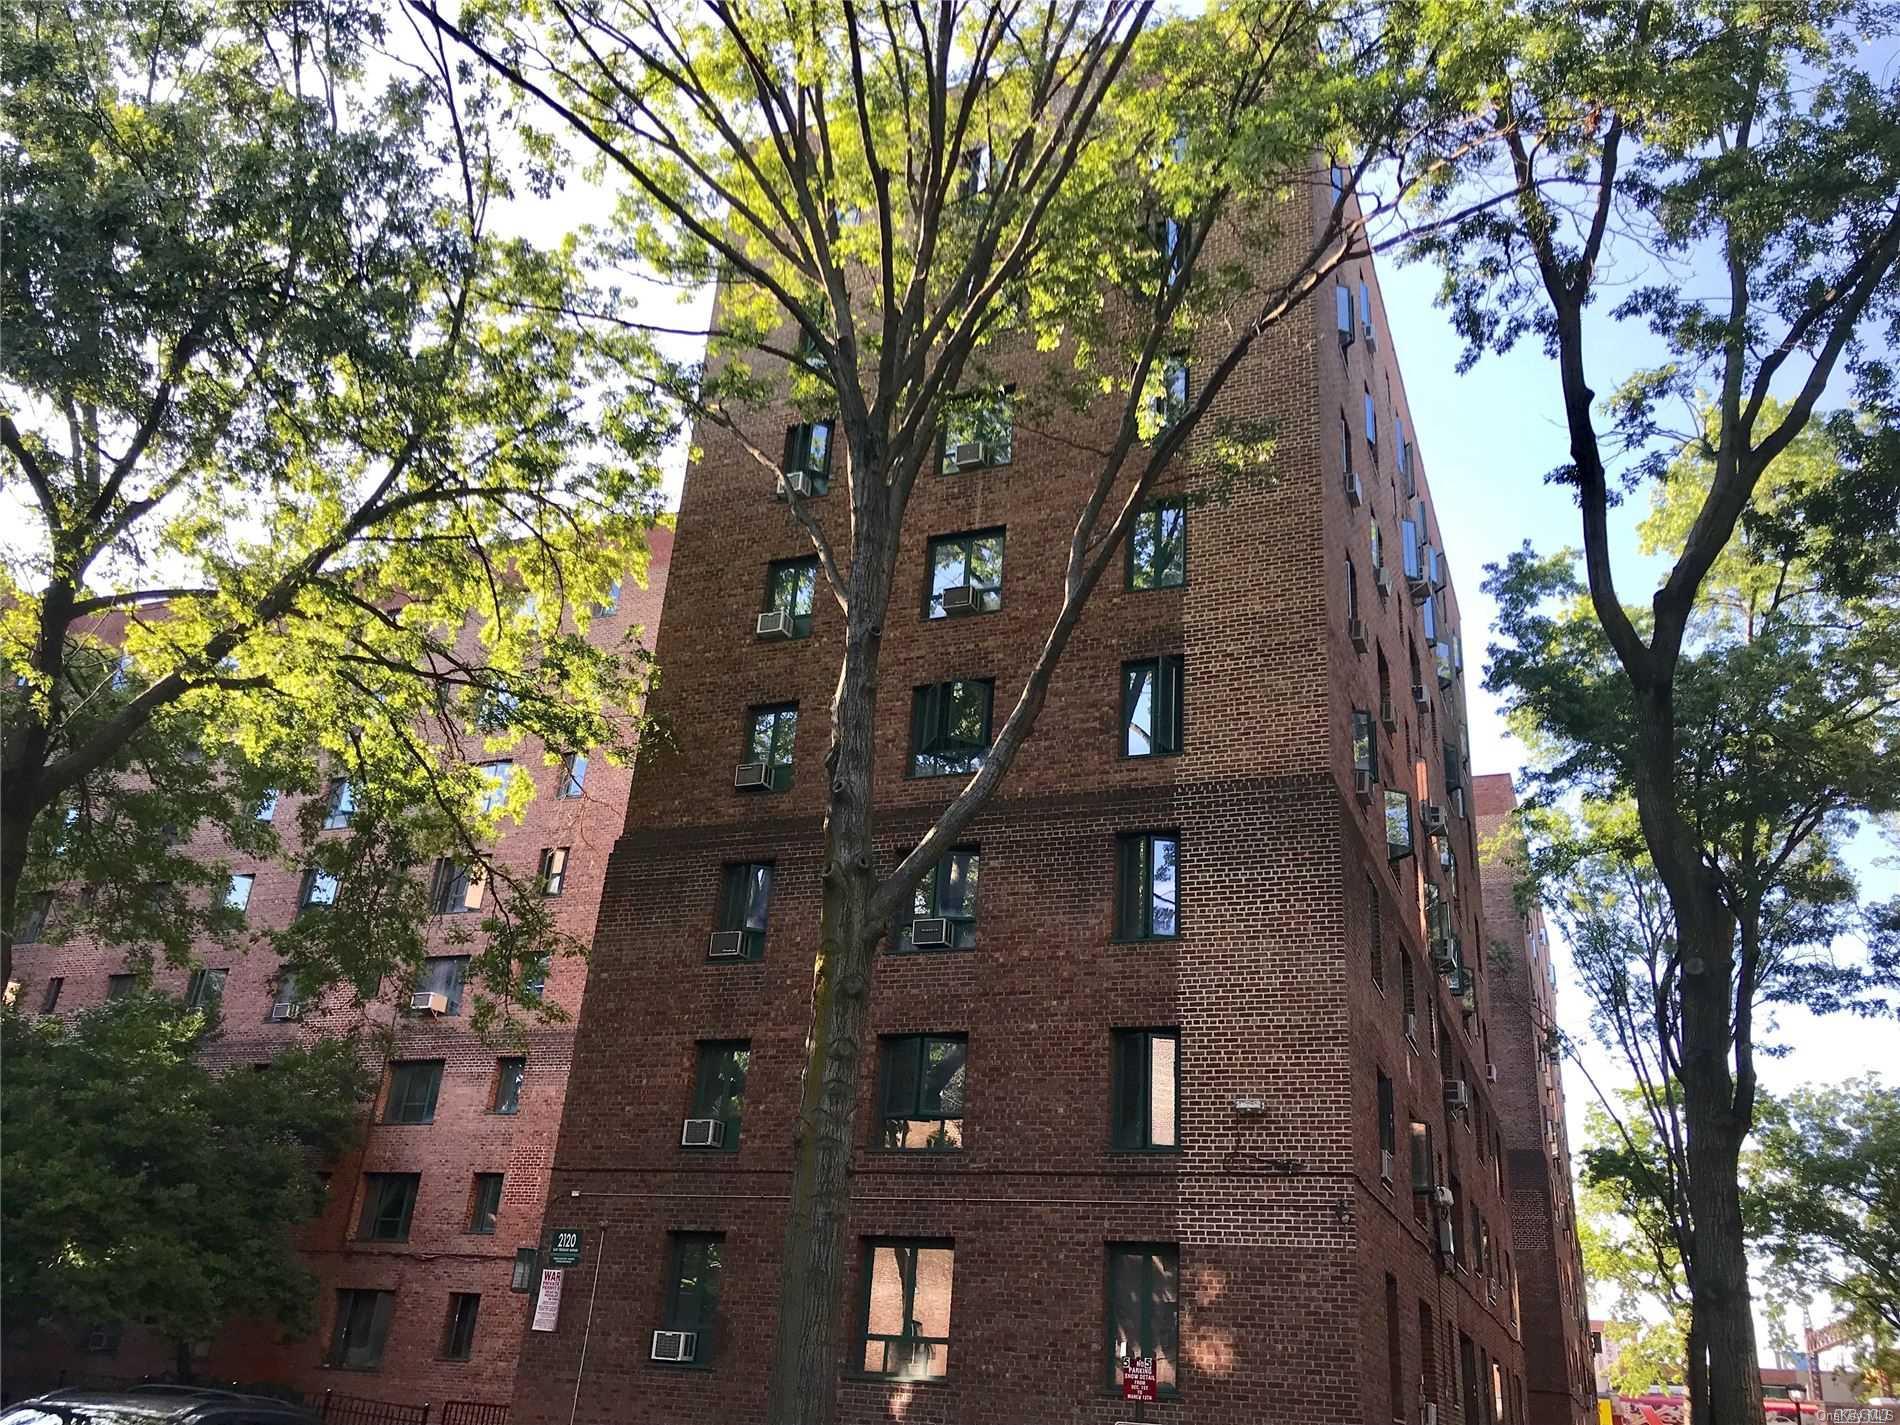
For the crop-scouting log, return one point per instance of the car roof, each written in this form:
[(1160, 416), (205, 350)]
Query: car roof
[(167, 1402)]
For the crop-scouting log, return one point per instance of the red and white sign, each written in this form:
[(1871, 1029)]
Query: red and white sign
[(547, 1306), (1138, 1378)]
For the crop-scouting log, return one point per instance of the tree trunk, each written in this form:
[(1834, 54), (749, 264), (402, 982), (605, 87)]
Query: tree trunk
[(1695, 1372), (181, 1364), (16, 826)]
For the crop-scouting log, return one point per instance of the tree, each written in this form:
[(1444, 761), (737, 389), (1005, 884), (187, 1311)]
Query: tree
[(312, 479), (1829, 1216), (1733, 175), (894, 204), (143, 1187)]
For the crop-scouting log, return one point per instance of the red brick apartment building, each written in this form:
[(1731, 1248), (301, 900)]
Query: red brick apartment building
[(1559, 1364), (418, 1252), (1202, 1073)]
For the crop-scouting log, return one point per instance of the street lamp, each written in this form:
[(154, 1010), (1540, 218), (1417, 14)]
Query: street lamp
[(1797, 1394)]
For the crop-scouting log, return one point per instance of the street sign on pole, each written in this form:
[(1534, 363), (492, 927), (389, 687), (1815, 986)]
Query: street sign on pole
[(547, 1306), (564, 1250)]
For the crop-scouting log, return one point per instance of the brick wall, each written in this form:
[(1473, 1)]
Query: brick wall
[(1285, 1231)]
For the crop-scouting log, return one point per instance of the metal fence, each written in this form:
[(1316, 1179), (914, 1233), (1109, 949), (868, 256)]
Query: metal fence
[(473, 1412), (339, 1409)]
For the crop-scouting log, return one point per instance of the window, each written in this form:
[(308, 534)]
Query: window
[(745, 899), (509, 1074), (692, 1289), (103, 1339), (457, 888), (610, 601), (921, 1086), (1168, 239), (413, 1086), (1427, 1353), (1376, 542), (1143, 1309), (770, 734), (458, 1333), (50, 1000), (947, 892), (267, 808), (389, 1202), (950, 727), (1342, 313), (1388, 1129), (1365, 755), (237, 895), (978, 431), (339, 805), (1372, 424), (973, 172), (1157, 546), (206, 988), (1146, 904), (1365, 314), (1394, 1349), (1408, 998), (318, 889), (1345, 442), (553, 870), (497, 775), (1146, 1110), (1167, 392), (1424, 1168), (907, 1308), (790, 587), (573, 776), (362, 1325), (33, 921), (121, 986), (972, 562), (808, 454), (719, 1086), (1352, 591), (444, 975), (527, 1267), (1375, 938), (485, 1204), (1152, 706), (1398, 824)]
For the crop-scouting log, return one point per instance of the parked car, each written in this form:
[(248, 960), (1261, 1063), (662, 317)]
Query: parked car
[(156, 1405)]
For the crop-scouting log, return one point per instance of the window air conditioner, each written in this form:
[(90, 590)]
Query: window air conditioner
[(429, 1002), (959, 599), (702, 1133), (1428, 1413), (1411, 1028), (930, 932), (1443, 1197), (1387, 713), (751, 774), (1355, 489), (798, 483), (726, 945), (1385, 1165), (1419, 584), (1382, 581), (1468, 996), (1433, 816), (1362, 781), (282, 1013), (775, 623), (1356, 631), (1421, 697), (1447, 1245), (1490, 1073), (675, 1345), (969, 454), (1457, 1096)]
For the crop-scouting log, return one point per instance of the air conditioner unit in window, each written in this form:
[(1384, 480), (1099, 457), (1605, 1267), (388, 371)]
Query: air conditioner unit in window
[(1433, 817), (1447, 1244), (1428, 1413), (798, 483), (969, 454), (726, 945), (1362, 781), (1421, 697), (751, 774), (675, 1345), (100, 1341), (1355, 489), (1444, 953), (282, 1013), (1456, 979), (1387, 713), (930, 932), (959, 599), (775, 623), (1385, 1165), (1356, 631), (1490, 1073), (429, 1002), (1457, 1096), (1411, 1027), (1443, 1197), (1418, 583), (1468, 996), (1382, 581), (702, 1133)]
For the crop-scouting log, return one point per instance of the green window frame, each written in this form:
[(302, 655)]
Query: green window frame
[(909, 1284), (719, 1085), (553, 870), (1146, 1085), (1168, 402), (458, 1332), (948, 890), (1398, 824), (1148, 889), (987, 418), (745, 903), (1157, 546), (1154, 702), (318, 889), (808, 453), (791, 587), (38, 908), (362, 1326), (206, 988), (510, 1074), (339, 804), (1143, 1310), (573, 776), (457, 888), (121, 986), (950, 727), (413, 1087), (771, 731), (389, 1205), (974, 560), (695, 1263), (484, 1204), (922, 1081), (445, 975)]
